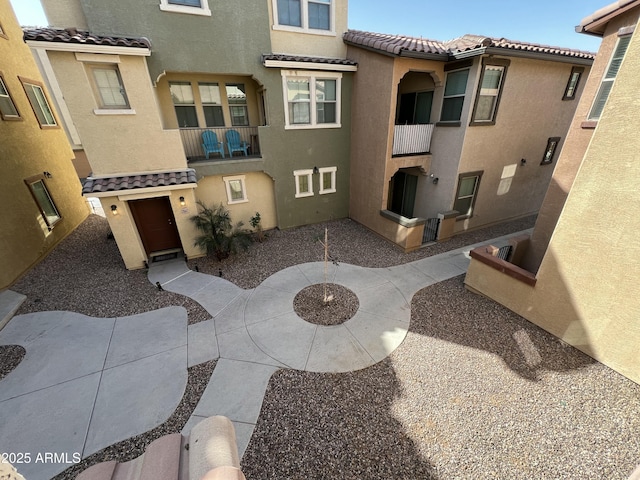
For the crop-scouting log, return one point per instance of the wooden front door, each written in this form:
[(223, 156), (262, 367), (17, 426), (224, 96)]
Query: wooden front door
[(156, 224)]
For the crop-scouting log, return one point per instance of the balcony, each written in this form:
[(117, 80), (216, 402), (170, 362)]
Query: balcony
[(412, 139), (192, 143)]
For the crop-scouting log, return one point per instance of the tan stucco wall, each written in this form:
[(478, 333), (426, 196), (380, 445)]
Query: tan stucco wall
[(169, 118), (143, 145), (27, 150), (578, 139), (586, 291), (81, 163), (531, 110), (293, 43), (125, 231), (211, 191), (64, 13)]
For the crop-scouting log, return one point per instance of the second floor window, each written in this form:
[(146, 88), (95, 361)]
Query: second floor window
[(454, 92), (489, 92), (304, 14), (312, 102), (211, 104), (184, 104), (8, 109), (237, 97), (39, 103), (109, 87), (608, 78)]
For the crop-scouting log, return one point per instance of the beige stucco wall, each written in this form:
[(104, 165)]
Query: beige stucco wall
[(578, 139), (586, 291), (64, 13), (125, 231), (143, 145), (531, 110), (300, 42), (27, 150), (259, 189)]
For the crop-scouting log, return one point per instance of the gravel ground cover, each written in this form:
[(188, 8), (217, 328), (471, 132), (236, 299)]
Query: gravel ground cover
[(473, 392), (310, 306)]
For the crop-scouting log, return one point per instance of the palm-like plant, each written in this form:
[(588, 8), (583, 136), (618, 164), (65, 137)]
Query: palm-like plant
[(219, 236)]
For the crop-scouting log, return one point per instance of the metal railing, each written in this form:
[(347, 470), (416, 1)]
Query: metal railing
[(192, 141), (412, 139), (430, 233), (504, 252)]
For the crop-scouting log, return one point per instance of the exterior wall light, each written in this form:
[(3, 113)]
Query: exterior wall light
[(47, 174), (182, 201), (523, 162), (114, 209), (315, 170)]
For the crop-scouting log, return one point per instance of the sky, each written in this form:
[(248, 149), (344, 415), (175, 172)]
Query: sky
[(548, 22)]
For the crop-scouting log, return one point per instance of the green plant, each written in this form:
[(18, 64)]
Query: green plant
[(257, 227), (219, 236)]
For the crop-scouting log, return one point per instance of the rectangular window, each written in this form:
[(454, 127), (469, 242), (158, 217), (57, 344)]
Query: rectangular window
[(312, 102), (550, 151), (327, 180), (237, 97), (304, 14), (44, 201), (304, 183), (109, 87), (454, 92), (236, 191), (211, 104), (572, 83), (8, 109), (184, 104), (193, 7), (489, 91), (39, 103), (609, 78), (466, 195)]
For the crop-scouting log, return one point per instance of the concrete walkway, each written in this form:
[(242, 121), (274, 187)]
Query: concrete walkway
[(86, 383)]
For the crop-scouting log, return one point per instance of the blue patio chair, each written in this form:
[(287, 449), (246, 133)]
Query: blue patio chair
[(210, 144), (234, 144)]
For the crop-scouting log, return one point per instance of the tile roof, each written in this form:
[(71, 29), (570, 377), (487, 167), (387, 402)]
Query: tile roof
[(402, 45), (130, 182), (280, 57), (72, 35)]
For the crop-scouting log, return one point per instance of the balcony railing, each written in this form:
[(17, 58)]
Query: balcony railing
[(192, 142), (412, 139)]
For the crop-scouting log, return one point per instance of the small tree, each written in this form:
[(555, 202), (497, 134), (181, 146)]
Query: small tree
[(257, 226), (219, 237)]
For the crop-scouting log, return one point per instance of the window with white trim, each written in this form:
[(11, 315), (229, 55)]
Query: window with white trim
[(237, 98), (304, 183), (489, 92), (192, 7), (8, 109), (454, 92), (108, 87), (310, 15), (609, 78), (236, 189), (39, 103), (43, 199), (184, 103), (211, 104), (572, 84), (327, 180), (312, 100)]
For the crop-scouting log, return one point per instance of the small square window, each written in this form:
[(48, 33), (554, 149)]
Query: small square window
[(236, 190), (8, 109), (327, 180), (109, 88), (43, 199), (572, 83), (304, 183), (39, 103), (550, 151)]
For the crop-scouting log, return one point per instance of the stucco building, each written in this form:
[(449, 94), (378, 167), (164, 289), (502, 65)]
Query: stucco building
[(576, 276), (142, 83), (39, 188), (463, 133)]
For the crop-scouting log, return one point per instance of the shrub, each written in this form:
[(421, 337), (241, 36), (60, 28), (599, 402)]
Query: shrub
[(219, 237)]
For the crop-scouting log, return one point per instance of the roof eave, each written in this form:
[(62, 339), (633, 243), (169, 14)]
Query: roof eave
[(553, 57), (596, 26), (441, 57), (88, 48)]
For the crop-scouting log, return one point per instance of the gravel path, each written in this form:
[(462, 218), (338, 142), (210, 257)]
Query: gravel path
[(473, 392)]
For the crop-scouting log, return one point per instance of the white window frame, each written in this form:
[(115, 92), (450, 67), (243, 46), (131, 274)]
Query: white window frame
[(227, 184), (332, 172), (493, 93), (312, 77), (41, 106), (308, 173), (8, 115), (304, 8), (203, 9)]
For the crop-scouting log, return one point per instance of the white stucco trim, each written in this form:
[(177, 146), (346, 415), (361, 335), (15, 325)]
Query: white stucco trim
[(114, 111), (310, 66), (83, 48), (204, 10), (138, 193)]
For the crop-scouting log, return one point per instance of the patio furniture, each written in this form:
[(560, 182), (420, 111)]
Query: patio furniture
[(234, 144), (210, 144)]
